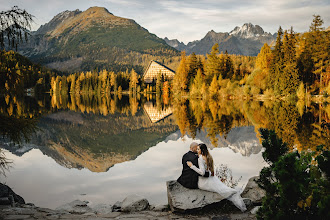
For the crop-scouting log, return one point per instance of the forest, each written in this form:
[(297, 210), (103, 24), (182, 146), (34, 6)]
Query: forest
[(296, 67)]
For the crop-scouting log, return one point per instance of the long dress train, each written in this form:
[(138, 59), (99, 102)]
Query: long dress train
[(214, 184)]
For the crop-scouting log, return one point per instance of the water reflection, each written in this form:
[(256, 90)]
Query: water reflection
[(108, 147), (155, 114), (301, 128), (48, 184)]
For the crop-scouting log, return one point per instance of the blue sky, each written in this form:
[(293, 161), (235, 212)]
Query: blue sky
[(188, 20)]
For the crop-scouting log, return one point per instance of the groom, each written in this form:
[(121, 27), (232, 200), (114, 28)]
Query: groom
[(189, 178)]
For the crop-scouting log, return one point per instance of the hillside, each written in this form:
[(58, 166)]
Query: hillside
[(95, 38), (246, 40)]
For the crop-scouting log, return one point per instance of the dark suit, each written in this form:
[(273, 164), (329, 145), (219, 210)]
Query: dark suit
[(189, 178)]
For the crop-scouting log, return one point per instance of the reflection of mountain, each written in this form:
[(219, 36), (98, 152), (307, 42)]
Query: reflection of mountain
[(155, 114), (16, 149), (95, 142), (241, 140)]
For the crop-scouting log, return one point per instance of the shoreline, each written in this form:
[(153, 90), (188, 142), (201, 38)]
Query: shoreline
[(30, 211), (13, 206)]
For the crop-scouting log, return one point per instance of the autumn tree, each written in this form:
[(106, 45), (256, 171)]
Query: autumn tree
[(227, 67), (181, 77), (212, 66), (276, 66), (214, 87), (288, 81), (264, 57), (196, 87), (319, 43), (159, 82), (134, 80)]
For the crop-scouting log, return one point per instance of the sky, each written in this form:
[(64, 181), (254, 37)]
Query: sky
[(188, 20)]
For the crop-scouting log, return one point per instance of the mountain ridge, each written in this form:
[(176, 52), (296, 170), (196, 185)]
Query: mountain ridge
[(246, 40), (95, 38)]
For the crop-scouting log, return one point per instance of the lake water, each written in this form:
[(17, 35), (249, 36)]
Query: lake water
[(104, 149)]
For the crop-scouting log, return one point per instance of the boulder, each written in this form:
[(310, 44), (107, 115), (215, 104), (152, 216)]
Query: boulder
[(253, 191), (102, 209), (160, 208), (7, 194), (181, 199), (255, 210), (75, 207), (116, 207), (134, 203)]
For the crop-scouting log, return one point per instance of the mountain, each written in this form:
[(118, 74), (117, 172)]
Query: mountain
[(95, 38), (246, 40), (175, 43), (241, 140)]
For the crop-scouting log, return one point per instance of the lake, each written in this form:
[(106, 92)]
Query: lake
[(101, 149)]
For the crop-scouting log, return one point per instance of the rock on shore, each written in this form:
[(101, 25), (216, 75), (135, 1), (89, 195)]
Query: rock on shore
[(181, 199), (8, 196), (253, 191)]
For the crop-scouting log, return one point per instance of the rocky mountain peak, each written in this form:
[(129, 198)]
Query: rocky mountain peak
[(58, 19), (74, 22), (248, 30), (98, 10), (175, 43)]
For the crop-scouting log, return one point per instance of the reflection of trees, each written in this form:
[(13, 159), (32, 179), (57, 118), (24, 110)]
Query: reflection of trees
[(17, 121), (18, 116), (4, 163), (97, 104), (309, 127)]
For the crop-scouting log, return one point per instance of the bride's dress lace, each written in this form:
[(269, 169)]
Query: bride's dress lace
[(214, 184)]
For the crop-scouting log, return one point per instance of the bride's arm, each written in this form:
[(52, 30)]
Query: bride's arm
[(201, 169)]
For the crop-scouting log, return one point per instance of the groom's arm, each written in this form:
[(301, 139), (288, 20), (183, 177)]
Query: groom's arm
[(207, 174), (199, 169)]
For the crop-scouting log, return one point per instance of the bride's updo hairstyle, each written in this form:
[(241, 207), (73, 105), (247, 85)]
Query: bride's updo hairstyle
[(209, 159)]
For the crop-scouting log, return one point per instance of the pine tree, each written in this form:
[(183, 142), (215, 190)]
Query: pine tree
[(319, 42), (228, 67), (212, 67), (277, 65), (192, 67), (288, 81)]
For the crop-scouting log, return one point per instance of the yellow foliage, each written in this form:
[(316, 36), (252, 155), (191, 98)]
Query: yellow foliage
[(301, 91), (300, 106)]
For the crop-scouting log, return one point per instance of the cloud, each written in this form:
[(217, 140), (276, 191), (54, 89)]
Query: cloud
[(191, 20)]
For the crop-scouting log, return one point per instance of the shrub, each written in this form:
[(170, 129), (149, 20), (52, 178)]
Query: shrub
[(296, 183)]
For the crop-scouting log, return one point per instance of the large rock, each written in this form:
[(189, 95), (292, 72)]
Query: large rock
[(134, 203), (253, 191), (102, 208), (6, 194), (181, 199), (75, 207)]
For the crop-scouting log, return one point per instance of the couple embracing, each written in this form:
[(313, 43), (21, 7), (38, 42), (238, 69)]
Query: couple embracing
[(198, 172)]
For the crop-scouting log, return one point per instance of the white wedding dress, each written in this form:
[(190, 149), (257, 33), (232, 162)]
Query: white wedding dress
[(214, 184)]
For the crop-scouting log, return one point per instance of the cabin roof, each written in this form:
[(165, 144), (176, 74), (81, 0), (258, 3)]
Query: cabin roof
[(158, 64)]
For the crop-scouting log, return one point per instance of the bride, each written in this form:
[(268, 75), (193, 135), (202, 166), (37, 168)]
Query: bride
[(212, 183)]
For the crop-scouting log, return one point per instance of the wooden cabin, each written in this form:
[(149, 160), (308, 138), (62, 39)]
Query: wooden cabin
[(154, 68)]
